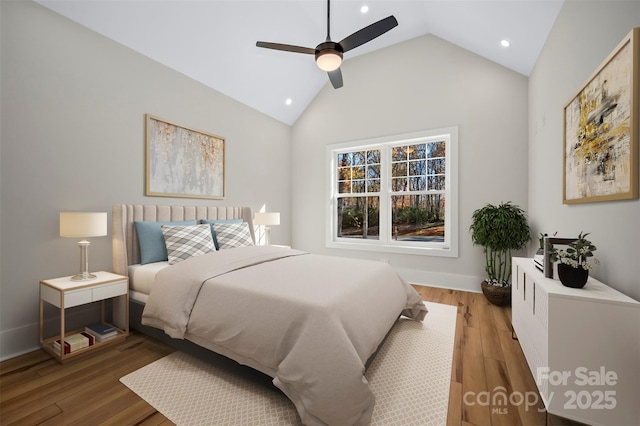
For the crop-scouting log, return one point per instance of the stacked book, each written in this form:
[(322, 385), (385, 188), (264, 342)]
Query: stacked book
[(101, 331), (538, 261), (75, 342)]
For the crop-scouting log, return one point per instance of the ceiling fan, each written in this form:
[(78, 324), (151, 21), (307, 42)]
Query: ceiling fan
[(329, 53)]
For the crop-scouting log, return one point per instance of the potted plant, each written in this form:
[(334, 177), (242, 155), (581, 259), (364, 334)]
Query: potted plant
[(574, 266), (499, 229)]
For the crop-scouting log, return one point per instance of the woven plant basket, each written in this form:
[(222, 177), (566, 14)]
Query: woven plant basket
[(499, 296)]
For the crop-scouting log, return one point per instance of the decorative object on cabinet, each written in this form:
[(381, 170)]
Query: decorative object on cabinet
[(83, 225), (548, 250), (538, 258), (183, 162), (581, 345), (576, 256), (267, 219), (601, 130), (571, 276), (499, 229)]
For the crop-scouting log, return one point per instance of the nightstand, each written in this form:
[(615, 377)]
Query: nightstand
[(64, 293)]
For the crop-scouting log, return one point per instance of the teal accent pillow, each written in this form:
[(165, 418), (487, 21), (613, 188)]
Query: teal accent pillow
[(213, 231), (152, 245)]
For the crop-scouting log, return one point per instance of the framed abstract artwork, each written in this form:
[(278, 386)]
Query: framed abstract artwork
[(601, 130), (183, 162)]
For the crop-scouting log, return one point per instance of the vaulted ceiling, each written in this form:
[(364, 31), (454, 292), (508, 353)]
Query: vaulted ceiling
[(214, 41)]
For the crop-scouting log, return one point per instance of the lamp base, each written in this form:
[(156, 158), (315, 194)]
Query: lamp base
[(83, 277)]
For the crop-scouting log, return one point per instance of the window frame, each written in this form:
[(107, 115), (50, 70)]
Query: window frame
[(386, 243)]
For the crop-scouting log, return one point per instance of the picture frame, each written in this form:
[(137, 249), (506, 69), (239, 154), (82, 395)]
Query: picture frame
[(600, 151), (183, 162)]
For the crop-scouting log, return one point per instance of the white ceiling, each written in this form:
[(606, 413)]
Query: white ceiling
[(214, 41)]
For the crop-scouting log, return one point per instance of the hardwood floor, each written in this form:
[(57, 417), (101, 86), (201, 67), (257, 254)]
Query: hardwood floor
[(37, 390)]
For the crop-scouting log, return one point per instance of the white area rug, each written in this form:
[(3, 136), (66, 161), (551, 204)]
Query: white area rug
[(410, 377)]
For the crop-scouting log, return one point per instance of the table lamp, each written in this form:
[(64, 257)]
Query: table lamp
[(267, 219), (83, 225)]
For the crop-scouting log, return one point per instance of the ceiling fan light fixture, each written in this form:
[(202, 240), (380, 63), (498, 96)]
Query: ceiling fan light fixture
[(329, 61), (329, 56)]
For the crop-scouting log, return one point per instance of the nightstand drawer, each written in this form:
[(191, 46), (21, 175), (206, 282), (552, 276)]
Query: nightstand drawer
[(71, 298), (111, 290)]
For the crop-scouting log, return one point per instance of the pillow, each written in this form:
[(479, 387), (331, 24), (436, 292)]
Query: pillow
[(213, 232), (232, 235), (184, 242), (152, 245)]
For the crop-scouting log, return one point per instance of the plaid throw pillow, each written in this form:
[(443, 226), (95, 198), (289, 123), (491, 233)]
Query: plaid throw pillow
[(184, 242), (232, 235)]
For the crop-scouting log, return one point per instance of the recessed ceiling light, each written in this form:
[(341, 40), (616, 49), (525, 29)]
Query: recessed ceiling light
[(505, 43), (288, 101), (364, 9)]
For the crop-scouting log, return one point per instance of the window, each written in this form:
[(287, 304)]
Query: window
[(395, 194)]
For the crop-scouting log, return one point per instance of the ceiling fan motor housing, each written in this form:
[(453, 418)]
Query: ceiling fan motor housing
[(329, 55)]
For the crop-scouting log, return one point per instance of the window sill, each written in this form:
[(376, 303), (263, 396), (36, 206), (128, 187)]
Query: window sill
[(392, 248)]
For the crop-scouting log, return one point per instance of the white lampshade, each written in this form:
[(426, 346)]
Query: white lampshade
[(267, 218), (83, 224)]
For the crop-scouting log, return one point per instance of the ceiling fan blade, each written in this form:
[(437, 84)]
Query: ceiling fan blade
[(336, 78), (368, 33), (286, 47)]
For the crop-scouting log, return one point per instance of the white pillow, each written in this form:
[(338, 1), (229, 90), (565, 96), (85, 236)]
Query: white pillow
[(232, 235), (184, 242)]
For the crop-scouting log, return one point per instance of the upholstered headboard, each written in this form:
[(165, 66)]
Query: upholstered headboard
[(126, 250)]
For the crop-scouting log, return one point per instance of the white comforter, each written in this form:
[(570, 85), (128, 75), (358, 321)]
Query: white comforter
[(309, 321)]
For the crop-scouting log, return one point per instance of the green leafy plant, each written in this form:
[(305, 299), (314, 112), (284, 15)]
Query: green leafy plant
[(499, 229), (577, 253)]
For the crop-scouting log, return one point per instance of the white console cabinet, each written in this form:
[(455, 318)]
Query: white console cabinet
[(582, 346)]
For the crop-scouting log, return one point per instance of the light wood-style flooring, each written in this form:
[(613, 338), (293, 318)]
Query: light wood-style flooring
[(36, 390)]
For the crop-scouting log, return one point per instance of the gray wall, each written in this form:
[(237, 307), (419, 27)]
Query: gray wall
[(73, 105), (424, 83), (584, 34)]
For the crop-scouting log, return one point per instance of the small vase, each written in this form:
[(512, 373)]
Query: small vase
[(572, 277)]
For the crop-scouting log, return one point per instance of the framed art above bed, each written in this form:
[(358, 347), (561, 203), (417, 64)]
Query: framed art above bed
[(183, 162)]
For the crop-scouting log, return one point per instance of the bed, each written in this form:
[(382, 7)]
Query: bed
[(310, 322)]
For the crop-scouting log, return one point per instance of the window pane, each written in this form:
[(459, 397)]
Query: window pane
[(357, 172), (373, 157), (436, 167), (418, 217), (436, 183), (398, 153), (357, 186), (399, 169), (344, 187), (344, 159), (344, 173), (373, 172), (399, 184), (418, 184), (417, 168), (358, 158), (359, 217), (373, 185), (417, 151), (436, 149)]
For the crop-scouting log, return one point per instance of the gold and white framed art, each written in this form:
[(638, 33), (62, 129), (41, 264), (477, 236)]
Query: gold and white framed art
[(183, 162)]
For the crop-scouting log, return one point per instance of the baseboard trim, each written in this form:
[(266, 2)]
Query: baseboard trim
[(19, 341)]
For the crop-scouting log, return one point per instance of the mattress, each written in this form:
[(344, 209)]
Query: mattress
[(141, 279)]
